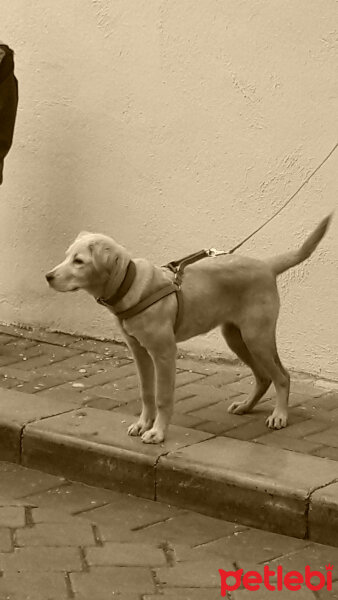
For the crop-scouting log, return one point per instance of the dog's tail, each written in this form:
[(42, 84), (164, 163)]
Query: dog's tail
[(283, 262)]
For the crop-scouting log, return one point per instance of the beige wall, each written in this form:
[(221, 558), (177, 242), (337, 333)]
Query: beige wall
[(172, 125)]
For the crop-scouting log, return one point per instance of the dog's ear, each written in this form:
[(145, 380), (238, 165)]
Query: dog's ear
[(83, 234), (105, 256)]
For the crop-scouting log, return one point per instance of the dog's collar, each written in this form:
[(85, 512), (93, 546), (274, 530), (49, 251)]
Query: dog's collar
[(123, 289)]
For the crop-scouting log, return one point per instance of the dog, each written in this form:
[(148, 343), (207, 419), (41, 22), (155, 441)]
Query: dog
[(237, 293)]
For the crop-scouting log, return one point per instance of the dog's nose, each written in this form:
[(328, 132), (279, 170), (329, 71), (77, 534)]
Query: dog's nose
[(49, 277)]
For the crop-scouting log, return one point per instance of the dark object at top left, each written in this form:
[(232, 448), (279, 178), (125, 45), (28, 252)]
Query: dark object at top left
[(8, 102)]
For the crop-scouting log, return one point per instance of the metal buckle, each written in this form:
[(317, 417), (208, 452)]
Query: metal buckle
[(212, 252)]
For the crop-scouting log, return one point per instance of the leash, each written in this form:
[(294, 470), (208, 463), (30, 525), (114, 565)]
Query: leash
[(177, 267), (287, 202)]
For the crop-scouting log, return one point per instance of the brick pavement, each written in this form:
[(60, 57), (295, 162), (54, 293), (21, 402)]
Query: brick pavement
[(64, 541), (102, 375)]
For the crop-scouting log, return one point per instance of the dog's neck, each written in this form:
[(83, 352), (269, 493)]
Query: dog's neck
[(117, 278)]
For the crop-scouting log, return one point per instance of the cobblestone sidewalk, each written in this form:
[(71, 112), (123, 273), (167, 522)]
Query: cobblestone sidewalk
[(102, 375), (64, 541)]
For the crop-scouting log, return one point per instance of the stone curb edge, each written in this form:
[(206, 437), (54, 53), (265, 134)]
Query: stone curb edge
[(267, 488)]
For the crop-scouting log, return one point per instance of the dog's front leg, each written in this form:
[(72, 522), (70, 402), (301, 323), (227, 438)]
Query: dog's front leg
[(165, 368), (145, 371)]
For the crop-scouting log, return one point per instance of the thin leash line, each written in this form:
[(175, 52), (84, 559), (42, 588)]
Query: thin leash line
[(287, 202)]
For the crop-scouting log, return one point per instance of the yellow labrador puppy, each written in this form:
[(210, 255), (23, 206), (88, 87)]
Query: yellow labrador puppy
[(236, 293)]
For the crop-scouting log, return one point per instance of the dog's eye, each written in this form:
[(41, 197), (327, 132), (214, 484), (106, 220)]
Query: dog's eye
[(78, 261)]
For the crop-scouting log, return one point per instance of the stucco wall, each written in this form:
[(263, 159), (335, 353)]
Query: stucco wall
[(172, 125)]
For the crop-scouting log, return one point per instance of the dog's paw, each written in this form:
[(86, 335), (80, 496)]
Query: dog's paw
[(139, 428), (277, 420), (238, 408), (153, 436)]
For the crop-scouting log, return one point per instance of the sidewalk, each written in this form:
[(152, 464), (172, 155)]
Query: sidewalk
[(64, 541), (71, 400)]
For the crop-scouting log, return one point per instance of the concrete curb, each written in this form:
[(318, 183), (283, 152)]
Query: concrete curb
[(255, 485)]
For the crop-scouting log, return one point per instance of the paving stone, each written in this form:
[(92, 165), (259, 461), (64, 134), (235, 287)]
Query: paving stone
[(9, 384), (133, 408), (33, 586), (186, 594), (254, 545), (327, 452), (184, 392), (125, 383), (39, 384), (67, 394), (186, 377), (328, 437), (103, 403), (314, 555), (73, 361), (39, 356), (14, 330), (219, 414), (52, 534), (87, 595), (19, 481), (198, 398), (49, 337), (200, 366), (223, 377), (125, 555), (102, 452), (327, 401), (256, 427), (5, 338), (301, 429), (71, 498), (5, 539), (120, 396), (290, 443), (17, 356), (263, 594), (248, 431), (12, 516), (245, 386), (182, 420), (102, 582), (195, 574), (49, 515), (115, 377), (257, 485), (106, 348), (41, 560), (211, 427), (132, 512), (306, 388), (198, 529), (17, 344), (11, 372), (329, 594)]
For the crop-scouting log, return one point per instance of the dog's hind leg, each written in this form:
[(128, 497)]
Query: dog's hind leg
[(261, 344), (145, 371), (234, 339)]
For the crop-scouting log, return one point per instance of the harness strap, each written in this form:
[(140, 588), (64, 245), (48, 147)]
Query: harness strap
[(177, 267), (187, 260), (123, 289), (171, 288)]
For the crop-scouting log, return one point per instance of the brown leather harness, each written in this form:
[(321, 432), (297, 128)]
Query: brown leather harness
[(177, 267)]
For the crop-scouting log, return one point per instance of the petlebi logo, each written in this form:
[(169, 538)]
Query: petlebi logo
[(276, 580)]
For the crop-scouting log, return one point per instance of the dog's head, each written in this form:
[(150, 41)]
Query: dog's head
[(91, 261)]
